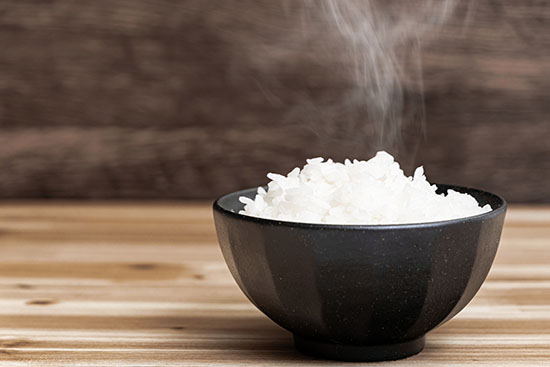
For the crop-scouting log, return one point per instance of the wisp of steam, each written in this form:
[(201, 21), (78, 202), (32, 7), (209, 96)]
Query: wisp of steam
[(376, 33)]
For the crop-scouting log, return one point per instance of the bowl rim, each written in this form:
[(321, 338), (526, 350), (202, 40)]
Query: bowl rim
[(276, 222)]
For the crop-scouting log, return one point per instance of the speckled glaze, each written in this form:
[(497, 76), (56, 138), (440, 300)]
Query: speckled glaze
[(359, 292)]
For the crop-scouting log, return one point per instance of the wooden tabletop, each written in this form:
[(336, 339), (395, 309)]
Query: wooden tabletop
[(145, 285)]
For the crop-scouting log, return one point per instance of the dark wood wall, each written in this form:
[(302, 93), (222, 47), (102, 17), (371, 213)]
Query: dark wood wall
[(194, 98)]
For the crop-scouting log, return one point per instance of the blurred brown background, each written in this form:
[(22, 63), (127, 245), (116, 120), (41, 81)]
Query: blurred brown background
[(191, 99)]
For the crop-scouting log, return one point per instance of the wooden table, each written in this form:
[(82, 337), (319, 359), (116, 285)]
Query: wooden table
[(145, 285)]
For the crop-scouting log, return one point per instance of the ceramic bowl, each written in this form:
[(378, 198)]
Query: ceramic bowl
[(359, 292)]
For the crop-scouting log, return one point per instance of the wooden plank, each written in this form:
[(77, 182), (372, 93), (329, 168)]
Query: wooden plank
[(193, 99), (80, 286)]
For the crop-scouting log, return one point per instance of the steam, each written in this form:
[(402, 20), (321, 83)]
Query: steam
[(384, 41)]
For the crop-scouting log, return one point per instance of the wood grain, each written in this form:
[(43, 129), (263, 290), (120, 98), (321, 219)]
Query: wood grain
[(192, 99), (145, 285)]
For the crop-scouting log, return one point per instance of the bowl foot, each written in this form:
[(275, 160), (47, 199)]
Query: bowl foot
[(359, 353)]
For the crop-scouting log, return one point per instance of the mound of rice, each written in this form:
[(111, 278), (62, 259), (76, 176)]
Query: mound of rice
[(359, 192)]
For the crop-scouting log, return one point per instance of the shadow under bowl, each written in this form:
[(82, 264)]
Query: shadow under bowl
[(359, 292)]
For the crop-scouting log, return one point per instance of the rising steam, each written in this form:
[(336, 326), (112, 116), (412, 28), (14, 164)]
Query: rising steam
[(384, 40)]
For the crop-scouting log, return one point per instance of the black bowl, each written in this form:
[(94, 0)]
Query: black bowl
[(359, 292)]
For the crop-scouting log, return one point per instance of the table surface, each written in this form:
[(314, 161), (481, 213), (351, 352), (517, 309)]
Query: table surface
[(121, 284)]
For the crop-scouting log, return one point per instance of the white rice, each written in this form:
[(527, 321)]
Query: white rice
[(359, 192)]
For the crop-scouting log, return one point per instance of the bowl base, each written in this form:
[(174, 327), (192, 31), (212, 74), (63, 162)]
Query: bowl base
[(359, 353)]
